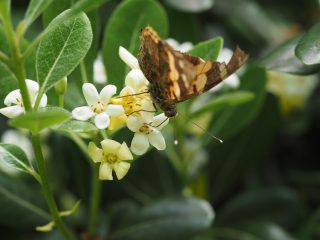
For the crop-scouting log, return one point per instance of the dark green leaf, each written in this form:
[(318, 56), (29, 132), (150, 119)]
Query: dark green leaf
[(177, 218), (8, 82), (225, 100), (22, 206), (228, 122), (14, 157), (76, 126), (208, 50), (283, 59), (43, 118), (123, 29), (308, 48), (62, 49), (191, 6), (35, 8)]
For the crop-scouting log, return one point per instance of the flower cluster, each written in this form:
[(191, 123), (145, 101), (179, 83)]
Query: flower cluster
[(134, 108)]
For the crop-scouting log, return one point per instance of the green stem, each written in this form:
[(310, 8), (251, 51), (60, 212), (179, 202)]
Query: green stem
[(4, 58), (61, 100), (46, 189), (83, 71), (95, 200)]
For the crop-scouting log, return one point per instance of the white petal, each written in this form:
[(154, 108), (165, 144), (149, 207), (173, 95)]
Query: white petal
[(114, 110), (160, 121), (156, 139), (43, 101), (134, 123), (12, 111), (105, 172), (127, 91), (33, 87), (225, 55), (124, 152), (139, 143), (173, 43), (90, 93), (185, 47), (135, 79), (217, 87), (94, 152), (232, 81), (121, 169), (99, 72), (82, 113), (13, 97), (148, 111), (102, 120), (110, 146), (128, 58), (107, 92)]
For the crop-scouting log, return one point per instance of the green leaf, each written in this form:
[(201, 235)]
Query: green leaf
[(74, 126), (123, 29), (279, 205), (35, 8), (8, 82), (14, 157), (225, 100), (283, 59), (308, 48), (171, 219), (43, 118), (208, 50), (22, 206), (191, 6), (228, 122), (62, 49)]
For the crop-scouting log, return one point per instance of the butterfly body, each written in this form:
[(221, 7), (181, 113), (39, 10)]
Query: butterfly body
[(175, 76)]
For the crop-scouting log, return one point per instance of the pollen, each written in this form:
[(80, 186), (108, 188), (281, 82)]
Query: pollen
[(110, 158), (145, 129), (98, 107)]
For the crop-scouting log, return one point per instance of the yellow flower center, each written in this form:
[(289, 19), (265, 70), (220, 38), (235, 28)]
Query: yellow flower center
[(110, 158), (98, 107), (145, 129), (19, 102)]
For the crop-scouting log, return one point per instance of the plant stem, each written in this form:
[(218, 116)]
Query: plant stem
[(95, 200), (61, 100), (83, 71), (46, 188)]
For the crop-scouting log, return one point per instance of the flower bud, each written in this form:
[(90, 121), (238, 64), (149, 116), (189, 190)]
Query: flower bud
[(61, 86)]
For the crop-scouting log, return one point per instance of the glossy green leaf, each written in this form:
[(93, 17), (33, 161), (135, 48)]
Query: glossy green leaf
[(225, 100), (62, 49), (208, 50), (43, 118), (8, 82), (191, 6), (35, 8), (171, 219), (283, 59), (123, 29), (308, 48), (14, 157), (22, 205), (75, 126), (279, 205), (229, 121)]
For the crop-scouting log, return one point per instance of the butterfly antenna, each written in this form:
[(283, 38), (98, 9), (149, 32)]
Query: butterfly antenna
[(135, 94)]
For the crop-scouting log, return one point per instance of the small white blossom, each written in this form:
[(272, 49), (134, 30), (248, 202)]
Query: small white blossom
[(112, 156), (128, 58), (98, 105), (183, 47), (233, 80), (14, 102), (147, 132), (99, 71)]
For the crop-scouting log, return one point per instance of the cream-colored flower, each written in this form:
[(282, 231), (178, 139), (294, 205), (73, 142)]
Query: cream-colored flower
[(147, 132), (14, 102), (183, 47), (112, 156), (99, 71), (98, 105)]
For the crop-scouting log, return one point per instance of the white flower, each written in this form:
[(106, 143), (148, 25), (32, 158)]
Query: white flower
[(183, 47), (147, 132), (14, 102), (128, 58), (112, 156), (99, 71), (98, 105), (233, 80)]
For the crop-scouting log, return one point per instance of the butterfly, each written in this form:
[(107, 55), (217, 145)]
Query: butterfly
[(175, 76)]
